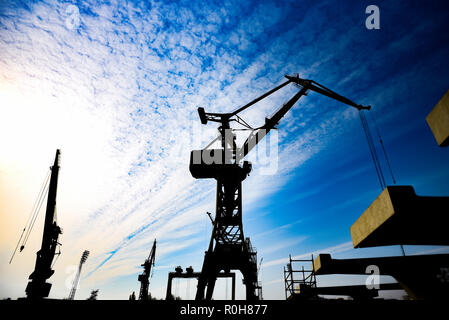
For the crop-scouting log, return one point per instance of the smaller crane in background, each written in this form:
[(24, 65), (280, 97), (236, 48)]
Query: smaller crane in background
[(38, 287), (77, 278), (144, 278)]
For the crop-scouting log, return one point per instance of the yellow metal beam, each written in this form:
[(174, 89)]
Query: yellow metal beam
[(399, 217), (438, 121)]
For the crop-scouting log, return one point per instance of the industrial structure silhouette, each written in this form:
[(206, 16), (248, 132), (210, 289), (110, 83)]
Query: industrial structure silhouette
[(394, 218)]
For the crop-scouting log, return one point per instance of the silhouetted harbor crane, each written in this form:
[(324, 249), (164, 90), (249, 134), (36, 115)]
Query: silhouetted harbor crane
[(228, 248), (144, 278), (78, 273)]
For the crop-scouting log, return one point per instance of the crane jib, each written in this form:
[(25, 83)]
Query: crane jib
[(228, 246), (256, 135)]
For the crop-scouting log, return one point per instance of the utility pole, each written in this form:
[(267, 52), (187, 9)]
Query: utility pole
[(144, 278)]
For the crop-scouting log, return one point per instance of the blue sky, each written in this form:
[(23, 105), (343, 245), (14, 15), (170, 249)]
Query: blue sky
[(116, 86)]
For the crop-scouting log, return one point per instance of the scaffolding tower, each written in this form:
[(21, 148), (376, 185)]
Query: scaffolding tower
[(304, 283)]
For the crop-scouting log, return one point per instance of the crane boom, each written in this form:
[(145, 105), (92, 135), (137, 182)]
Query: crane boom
[(77, 277), (258, 134), (315, 86), (217, 117)]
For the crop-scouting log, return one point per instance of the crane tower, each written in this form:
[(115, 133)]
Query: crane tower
[(144, 278)]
